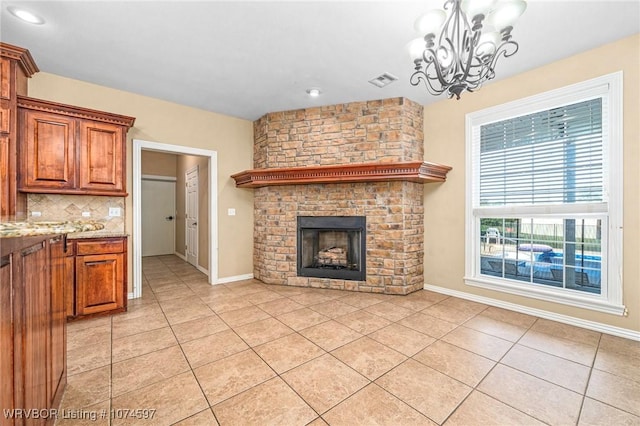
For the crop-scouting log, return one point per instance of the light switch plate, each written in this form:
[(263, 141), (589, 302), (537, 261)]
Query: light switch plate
[(114, 211), (231, 212), (86, 214), (36, 214)]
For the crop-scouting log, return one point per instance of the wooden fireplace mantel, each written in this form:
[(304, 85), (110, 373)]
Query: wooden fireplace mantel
[(414, 171)]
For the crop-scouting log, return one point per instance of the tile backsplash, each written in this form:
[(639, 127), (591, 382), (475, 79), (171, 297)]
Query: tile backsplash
[(71, 207)]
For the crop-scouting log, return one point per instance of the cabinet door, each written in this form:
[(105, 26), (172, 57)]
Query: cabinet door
[(102, 155), (99, 283), (35, 293), (58, 347), (47, 151), (6, 336)]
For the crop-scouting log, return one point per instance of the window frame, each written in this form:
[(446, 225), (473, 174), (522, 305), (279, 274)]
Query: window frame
[(609, 87)]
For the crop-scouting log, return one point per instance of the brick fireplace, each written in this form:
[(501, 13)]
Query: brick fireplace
[(358, 159)]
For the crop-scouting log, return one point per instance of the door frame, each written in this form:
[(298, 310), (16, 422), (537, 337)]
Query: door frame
[(170, 179), (186, 204), (138, 146)]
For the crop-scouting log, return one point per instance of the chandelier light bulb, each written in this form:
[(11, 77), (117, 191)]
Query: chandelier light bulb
[(430, 22), (314, 92), (473, 8), (415, 48), (506, 14), (488, 44)]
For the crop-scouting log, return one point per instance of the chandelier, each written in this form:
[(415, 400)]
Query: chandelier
[(464, 54)]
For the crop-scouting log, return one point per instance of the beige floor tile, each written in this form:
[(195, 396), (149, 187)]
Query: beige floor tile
[(402, 339), (428, 325), (203, 418), (243, 316), (566, 331), (88, 358), (227, 377), (330, 335), (174, 293), (226, 302), (363, 322), (616, 391), (463, 305), (368, 357), (455, 362), (496, 328), (139, 325), (430, 392), (414, 301), (510, 317), (540, 399), (595, 413), (147, 369), (333, 308), (140, 311), (302, 318), (559, 371), (212, 348), (163, 397), (286, 290), (310, 298), (389, 311), (318, 422), (620, 357), (158, 286), (270, 403), (482, 410), (87, 388), (195, 311), (448, 313), (263, 296), (75, 326), (568, 349), (197, 328), (142, 343), (324, 382), (100, 335), (259, 332), (288, 352), (362, 300), (482, 344), (280, 306), (374, 406)]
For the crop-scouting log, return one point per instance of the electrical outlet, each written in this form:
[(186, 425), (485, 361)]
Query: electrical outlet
[(86, 214), (231, 212), (36, 214), (114, 211)]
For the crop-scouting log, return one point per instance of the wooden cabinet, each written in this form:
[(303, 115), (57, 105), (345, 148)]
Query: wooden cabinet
[(70, 150), (16, 66), (33, 328), (100, 269)]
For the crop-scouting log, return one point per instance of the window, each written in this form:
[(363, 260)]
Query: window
[(544, 196)]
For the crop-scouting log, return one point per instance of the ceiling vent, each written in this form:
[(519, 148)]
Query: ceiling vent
[(383, 79)]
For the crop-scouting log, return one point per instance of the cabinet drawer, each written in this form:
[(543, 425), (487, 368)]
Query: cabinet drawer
[(5, 79), (99, 247), (5, 116)]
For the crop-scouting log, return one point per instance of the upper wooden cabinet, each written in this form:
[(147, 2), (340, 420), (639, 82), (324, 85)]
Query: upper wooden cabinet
[(70, 150), (16, 66)]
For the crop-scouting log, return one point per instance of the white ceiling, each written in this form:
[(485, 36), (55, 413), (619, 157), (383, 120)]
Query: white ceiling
[(245, 59)]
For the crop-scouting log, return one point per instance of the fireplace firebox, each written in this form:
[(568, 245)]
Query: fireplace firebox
[(332, 247)]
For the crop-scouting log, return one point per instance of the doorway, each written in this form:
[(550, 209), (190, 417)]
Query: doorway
[(158, 215), (191, 216), (211, 200)]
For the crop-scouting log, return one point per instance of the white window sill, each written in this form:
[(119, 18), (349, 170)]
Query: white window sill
[(565, 297)]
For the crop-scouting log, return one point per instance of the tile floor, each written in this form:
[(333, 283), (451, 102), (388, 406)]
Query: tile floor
[(248, 353)]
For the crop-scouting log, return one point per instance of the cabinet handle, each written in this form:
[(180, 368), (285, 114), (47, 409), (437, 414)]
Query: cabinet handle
[(97, 262)]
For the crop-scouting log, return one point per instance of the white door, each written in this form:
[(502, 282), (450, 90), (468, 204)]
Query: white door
[(158, 217), (191, 216)]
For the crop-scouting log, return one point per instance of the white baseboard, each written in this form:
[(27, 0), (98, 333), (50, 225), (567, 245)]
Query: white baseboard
[(198, 267), (234, 278), (180, 255), (578, 322), (130, 295)]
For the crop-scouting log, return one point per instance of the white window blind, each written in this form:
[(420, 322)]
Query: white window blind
[(553, 156)]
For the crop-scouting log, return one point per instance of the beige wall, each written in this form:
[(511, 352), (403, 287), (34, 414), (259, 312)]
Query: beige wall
[(444, 130), (186, 162), (166, 122), (159, 163)]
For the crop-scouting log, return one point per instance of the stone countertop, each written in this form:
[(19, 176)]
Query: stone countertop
[(16, 228), (97, 234)]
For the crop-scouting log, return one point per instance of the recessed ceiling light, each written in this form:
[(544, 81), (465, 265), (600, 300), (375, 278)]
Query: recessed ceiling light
[(314, 92), (25, 15)]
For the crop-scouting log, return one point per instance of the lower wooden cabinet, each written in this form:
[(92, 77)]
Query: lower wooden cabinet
[(32, 328), (99, 267)]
